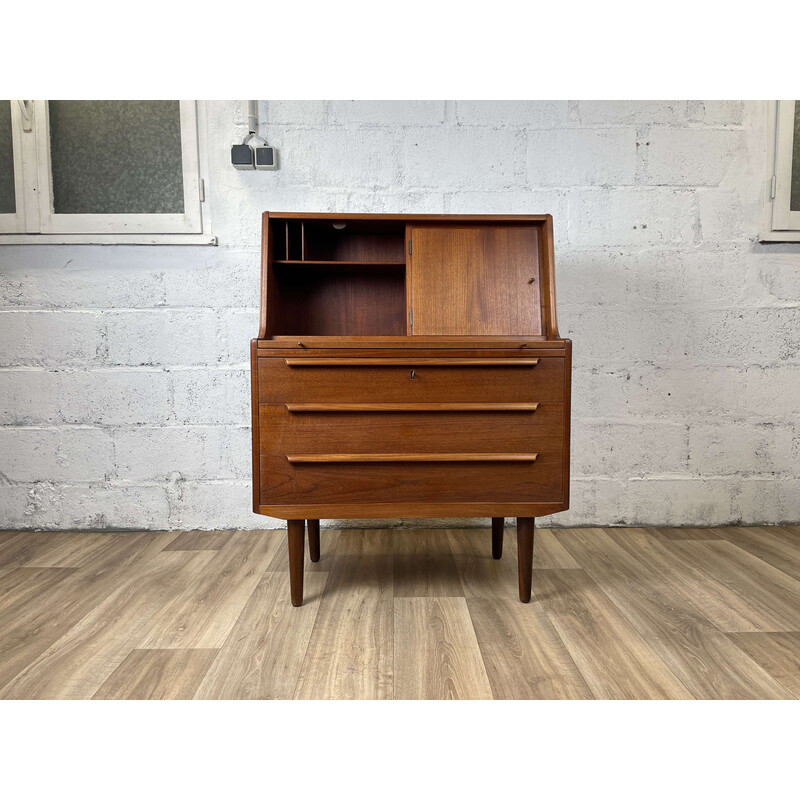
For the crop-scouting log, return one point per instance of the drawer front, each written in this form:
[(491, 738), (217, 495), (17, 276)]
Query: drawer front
[(409, 380), (284, 432), (287, 483)]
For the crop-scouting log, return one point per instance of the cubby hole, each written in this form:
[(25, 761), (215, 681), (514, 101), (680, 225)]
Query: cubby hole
[(338, 301), (355, 241)]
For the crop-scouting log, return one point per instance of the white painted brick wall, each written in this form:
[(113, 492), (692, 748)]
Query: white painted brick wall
[(124, 384)]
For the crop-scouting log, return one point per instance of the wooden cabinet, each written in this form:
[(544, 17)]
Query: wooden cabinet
[(409, 366)]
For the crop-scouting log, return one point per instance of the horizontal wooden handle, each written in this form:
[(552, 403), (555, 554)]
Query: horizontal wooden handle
[(411, 362), (358, 407), (337, 458)]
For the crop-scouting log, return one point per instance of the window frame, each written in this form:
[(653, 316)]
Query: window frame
[(37, 223), (780, 222), (15, 223)]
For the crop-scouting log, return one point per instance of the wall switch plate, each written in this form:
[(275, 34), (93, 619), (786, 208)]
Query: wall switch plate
[(242, 156), (266, 157)]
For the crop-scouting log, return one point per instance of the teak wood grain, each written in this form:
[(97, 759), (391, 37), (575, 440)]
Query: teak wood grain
[(409, 365), (475, 279)]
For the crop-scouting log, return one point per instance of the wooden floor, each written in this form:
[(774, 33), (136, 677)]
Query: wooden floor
[(617, 613)]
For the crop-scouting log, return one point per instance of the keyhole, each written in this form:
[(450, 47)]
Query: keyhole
[(413, 374)]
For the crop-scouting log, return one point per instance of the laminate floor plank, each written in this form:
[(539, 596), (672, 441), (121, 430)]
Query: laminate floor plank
[(351, 649), (615, 613), (685, 534), (75, 666), (424, 565), (30, 628), (524, 657), (734, 590), (777, 653), (77, 549), (200, 540), (436, 652), (702, 657), (157, 675), (615, 660), (328, 540), (777, 546), (20, 550), (20, 585), (760, 596), (483, 577), (263, 654), (202, 616), (548, 550)]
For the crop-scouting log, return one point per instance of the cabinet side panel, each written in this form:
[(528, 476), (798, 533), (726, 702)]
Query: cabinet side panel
[(476, 279)]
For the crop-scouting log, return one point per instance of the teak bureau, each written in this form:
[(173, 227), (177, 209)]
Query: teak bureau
[(409, 366)]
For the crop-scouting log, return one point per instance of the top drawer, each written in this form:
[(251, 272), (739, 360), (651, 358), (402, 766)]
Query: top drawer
[(410, 380)]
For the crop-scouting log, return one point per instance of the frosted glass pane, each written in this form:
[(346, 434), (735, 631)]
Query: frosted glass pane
[(116, 156), (794, 201), (8, 204)]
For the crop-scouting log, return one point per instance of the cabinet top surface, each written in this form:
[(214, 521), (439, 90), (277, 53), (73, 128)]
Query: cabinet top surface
[(413, 217)]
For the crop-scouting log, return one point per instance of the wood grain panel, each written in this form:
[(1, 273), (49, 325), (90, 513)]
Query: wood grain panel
[(524, 657), (75, 666), (203, 615), (436, 653), (351, 650), (615, 660), (482, 280), (733, 589), (778, 653), (262, 656), (704, 660), (283, 432), (200, 540), (36, 624), (424, 565), (278, 383), (286, 483), (157, 675)]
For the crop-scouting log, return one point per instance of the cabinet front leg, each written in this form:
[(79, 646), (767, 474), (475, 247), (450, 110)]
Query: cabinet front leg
[(297, 536), (525, 556), (497, 536), (313, 539)]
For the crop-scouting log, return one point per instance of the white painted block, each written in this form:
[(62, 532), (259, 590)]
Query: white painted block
[(582, 157)]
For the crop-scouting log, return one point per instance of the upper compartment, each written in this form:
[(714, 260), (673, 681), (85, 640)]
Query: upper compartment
[(395, 275)]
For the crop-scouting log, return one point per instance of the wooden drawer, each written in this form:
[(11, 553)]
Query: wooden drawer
[(367, 431), (287, 483), (410, 380)]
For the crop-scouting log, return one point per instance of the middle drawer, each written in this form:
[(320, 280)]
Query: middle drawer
[(285, 432)]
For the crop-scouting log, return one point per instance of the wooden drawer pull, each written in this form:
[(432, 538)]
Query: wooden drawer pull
[(394, 457), (411, 362), (300, 407)]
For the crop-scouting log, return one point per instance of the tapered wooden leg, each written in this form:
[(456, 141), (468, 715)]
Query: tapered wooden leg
[(313, 539), (297, 536), (497, 536), (525, 556)]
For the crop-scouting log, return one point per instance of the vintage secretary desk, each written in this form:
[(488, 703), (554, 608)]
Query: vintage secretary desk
[(409, 366)]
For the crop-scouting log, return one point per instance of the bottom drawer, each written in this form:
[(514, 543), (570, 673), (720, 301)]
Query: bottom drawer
[(312, 482)]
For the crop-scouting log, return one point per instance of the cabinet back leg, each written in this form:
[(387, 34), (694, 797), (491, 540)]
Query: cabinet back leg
[(497, 536), (525, 556), (297, 536), (313, 539)]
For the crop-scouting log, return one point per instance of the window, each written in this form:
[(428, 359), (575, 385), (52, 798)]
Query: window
[(783, 197), (102, 171)]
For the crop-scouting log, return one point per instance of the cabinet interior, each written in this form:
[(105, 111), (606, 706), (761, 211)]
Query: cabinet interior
[(329, 277)]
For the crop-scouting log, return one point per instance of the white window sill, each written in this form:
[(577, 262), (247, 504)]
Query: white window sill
[(108, 238), (779, 236)]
